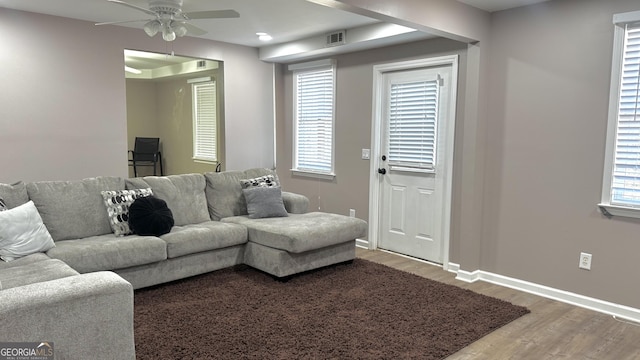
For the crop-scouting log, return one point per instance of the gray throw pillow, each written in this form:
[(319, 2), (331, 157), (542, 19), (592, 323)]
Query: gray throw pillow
[(264, 202), (3, 206)]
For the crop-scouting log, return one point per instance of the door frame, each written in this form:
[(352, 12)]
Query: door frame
[(448, 131)]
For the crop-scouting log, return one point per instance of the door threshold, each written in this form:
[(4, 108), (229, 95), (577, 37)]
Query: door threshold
[(412, 258)]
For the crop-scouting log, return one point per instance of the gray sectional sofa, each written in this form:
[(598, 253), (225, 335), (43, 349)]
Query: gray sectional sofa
[(79, 293)]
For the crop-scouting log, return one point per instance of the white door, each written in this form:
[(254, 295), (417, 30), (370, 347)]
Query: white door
[(414, 110)]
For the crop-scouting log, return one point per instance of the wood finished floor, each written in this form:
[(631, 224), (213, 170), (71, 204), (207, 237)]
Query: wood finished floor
[(553, 330)]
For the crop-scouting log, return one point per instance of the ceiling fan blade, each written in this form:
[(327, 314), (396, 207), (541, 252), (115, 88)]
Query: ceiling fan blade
[(212, 14), (194, 30), (121, 22), (146, 11)]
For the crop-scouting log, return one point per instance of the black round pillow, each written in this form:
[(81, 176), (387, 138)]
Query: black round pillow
[(150, 216)]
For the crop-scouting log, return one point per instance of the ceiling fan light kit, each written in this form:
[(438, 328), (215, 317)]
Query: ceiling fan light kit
[(170, 20), (170, 29), (152, 27)]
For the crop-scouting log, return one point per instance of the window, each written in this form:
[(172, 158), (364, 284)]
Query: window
[(621, 183), (413, 113), (204, 120), (314, 85)]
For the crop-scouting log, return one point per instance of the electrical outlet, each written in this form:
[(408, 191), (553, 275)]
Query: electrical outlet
[(366, 154), (352, 212), (585, 261)]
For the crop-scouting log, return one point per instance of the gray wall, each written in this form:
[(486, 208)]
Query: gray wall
[(353, 116), (64, 93), (544, 76), (550, 71)]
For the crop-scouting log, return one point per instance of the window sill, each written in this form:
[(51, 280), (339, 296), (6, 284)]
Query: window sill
[(311, 174), (204, 161), (615, 210)]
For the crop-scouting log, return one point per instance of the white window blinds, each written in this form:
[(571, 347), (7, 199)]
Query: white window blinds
[(413, 110), (204, 121), (625, 184), (314, 116)]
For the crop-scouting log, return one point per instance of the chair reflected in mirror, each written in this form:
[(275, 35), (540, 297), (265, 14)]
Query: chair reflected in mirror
[(146, 152)]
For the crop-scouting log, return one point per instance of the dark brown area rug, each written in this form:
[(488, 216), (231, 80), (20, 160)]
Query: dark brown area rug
[(361, 310)]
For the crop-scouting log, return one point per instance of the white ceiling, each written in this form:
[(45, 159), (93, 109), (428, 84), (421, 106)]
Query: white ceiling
[(284, 20)]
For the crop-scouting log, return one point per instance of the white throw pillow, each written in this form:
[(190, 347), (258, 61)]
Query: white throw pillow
[(22, 232)]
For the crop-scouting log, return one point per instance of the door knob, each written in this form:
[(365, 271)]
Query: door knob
[(382, 171)]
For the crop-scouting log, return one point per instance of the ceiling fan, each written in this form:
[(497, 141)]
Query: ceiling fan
[(169, 19)]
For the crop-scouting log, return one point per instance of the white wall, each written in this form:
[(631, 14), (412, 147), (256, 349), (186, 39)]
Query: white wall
[(63, 104)]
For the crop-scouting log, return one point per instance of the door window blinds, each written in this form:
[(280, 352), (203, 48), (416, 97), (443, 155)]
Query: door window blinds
[(413, 113)]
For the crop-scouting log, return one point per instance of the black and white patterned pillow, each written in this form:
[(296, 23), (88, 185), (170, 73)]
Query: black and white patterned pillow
[(118, 203), (260, 181), (3, 206)]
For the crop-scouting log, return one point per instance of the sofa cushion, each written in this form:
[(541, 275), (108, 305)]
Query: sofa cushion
[(29, 259), (22, 232), (74, 209), (135, 183), (302, 232), (210, 235), (3, 206), (34, 273), (184, 194), (117, 203), (224, 191), (107, 252), (264, 202), (14, 194), (224, 194)]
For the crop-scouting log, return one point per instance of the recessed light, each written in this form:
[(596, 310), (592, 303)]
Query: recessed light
[(262, 36)]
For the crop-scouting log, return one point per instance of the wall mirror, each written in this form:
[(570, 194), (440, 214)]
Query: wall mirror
[(179, 100)]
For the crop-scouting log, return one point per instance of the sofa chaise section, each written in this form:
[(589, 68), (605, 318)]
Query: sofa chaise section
[(300, 242), (283, 246)]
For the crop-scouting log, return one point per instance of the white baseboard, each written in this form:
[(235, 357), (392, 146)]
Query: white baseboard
[(362, 244), (617, 310)]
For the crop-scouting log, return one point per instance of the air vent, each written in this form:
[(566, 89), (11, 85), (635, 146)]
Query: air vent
[(337, 38), (201, 63)]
